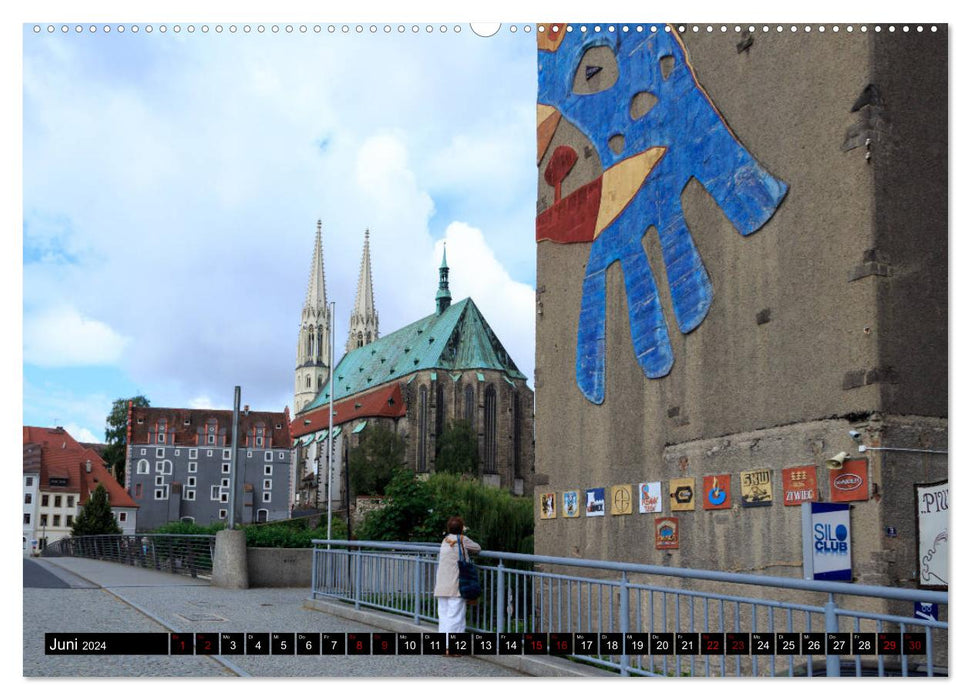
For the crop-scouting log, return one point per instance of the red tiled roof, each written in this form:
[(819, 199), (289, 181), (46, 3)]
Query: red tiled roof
[(188, 434), (384, 402), (62, 457)]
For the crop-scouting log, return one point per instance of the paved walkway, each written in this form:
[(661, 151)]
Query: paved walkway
[(108, 597)]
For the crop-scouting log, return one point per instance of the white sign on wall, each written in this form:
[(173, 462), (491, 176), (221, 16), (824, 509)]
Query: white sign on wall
[(828, 541), (932, 502)]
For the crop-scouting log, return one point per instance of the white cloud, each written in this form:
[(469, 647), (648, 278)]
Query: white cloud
[(63, 337), (81, 434), (508, 305)]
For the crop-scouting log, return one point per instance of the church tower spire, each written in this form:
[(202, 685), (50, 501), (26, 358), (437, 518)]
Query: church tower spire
[(364, 317), (444, 297), (313, 339)]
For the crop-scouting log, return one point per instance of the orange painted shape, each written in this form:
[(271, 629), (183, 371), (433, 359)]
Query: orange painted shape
[(622, 181), (549, 40), (545, 128)]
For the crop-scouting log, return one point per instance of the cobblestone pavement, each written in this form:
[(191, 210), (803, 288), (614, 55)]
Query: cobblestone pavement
[(183, 605)]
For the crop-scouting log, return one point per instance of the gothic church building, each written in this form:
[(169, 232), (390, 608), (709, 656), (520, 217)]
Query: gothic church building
[(444, 367)]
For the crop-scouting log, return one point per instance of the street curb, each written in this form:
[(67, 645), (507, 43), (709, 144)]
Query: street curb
[(218, 659), (547, 667)]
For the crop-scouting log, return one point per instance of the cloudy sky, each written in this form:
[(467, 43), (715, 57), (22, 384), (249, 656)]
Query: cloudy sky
[(172, 183)]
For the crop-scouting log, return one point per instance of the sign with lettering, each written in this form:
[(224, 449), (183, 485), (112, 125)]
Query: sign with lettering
[(798, 485), (831, 550), (682, 493), (756, 487), (932, 502), (716, 492), (571, 504), (595, 502), (621, 500), (666, 532), (849, 483), (649, 497), (547, 502)]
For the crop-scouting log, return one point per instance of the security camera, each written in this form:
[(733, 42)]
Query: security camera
[(855, 434)]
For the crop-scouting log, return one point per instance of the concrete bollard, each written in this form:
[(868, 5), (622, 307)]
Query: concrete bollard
[(229, 567)]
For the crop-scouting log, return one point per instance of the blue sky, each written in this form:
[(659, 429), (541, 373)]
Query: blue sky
[(172, 183)]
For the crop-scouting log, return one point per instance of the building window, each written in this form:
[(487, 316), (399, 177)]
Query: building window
[(138, 490), (224, 497), (190, 494), (57, 521), (193, 467), (260, 432), (143, 467), (249, 453), (224, 483), (470, 405), (43, 500), (191, 481), (161, 438), (57, 501), (267, 484), (225, 467), (28, 498), (222, 513), (144, 451), (213, 493), (122, 517), (208, 453), (422, 427), (160, 453), (193, 453), (178, 452), (261, 515), (211, 434), (159, 480), (28, 481), (69, 520), (227, 454), (70, 501), (43, 519), (26, 518), (267, 470), (266, 496), (268, 457), (162, 494), (163, 467), (490, 430)]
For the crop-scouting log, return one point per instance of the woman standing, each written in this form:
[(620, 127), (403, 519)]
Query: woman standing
[(451, 605)]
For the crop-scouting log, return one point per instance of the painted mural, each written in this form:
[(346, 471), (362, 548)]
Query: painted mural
[(635, 98)]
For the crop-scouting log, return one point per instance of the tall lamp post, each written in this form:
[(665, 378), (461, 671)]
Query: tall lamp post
[(330, 425)]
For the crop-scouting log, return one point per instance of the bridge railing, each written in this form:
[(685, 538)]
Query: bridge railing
[(528, 593), (190, 555)]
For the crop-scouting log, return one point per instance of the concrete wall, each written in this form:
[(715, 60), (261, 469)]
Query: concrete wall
[(806, 336), (271, 567)]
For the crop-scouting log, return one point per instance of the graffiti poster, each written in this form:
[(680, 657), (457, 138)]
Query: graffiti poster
[(850, 482), (547, 506), (571, 504), (682, 493), (756, 488), (649, 497), (798, 485), (595, 502), (666, 532), (621, 500), (716, 492), (932, 501)]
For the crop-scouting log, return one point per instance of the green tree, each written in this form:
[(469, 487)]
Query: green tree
[(116, 435), (96, 517), (457, 450), (373, 462)]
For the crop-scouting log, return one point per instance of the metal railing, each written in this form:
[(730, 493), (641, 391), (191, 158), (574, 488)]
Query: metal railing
[(190, 555), (527, 593)]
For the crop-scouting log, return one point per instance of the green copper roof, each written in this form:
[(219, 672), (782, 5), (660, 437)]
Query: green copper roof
[(457, 339)]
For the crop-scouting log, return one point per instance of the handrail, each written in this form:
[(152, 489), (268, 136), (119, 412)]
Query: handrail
[(906, 594)]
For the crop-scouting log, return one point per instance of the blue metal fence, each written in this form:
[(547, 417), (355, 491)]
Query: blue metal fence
[(527, 593)]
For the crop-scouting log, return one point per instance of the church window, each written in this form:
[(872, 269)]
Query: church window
[(490, 466), (308, 381), (439, 411), (470, 404), (422, 427), (360, 339)]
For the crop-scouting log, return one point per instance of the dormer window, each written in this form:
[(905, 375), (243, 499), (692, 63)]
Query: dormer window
[(160, 430), (260, 434), (211, 433)]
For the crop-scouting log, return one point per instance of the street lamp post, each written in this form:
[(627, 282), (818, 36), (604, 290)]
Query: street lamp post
[(330, 424)]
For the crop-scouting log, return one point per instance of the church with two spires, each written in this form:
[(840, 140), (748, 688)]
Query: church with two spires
[(444, 367)]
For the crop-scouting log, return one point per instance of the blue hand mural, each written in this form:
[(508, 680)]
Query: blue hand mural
[(654, 129)]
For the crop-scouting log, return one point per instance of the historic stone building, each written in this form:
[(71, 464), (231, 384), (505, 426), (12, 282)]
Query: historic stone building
[(179, 464), (444, 367), (776, 206)]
